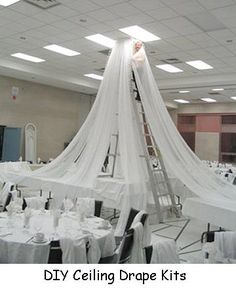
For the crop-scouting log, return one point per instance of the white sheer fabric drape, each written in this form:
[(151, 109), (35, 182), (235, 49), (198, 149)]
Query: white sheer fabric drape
[(81, 162), (178, 157)]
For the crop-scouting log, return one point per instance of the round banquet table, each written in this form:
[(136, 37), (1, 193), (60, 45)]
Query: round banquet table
[(18, 244)]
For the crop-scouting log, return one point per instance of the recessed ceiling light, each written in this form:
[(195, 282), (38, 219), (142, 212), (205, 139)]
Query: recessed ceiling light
[(218, 89), (27, 57), (61, 50), (8, 2), (169, 68), (207, 99), (233, 97), (181, 101), (102, 40), (94, 76), (139, 33), (200, 65), (184, 91)]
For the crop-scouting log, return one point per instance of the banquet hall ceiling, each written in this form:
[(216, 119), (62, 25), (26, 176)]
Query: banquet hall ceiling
[(189, 30)]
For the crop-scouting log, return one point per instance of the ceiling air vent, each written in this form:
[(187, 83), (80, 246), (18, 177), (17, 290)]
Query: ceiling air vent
[(105, 52), (100, 70), (171, 61), (214, 93), (44, 4)]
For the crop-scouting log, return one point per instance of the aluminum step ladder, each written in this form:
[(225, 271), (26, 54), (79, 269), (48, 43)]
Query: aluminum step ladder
[(163, 195)]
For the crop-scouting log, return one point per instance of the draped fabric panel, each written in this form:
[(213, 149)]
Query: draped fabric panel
[(76, 170)]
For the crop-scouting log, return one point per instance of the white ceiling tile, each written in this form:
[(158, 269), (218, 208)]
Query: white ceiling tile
[(182, 42), (220, 51), (82, 6), (106, 3), (147, 4), (160, 30), (181, 25), (102, 15), (11, 14), (200, 54), (25, 8), (99, 28), (188, 7), (139, 19), (83, 20), (223, 35), (123, 9), (65, 25), (211, 4), (203, 40), (206, 21), (225, 12), (46, 17), (119, 23), (63, 11), (162, 13), (229, 22), (60, 38), (164, 46)]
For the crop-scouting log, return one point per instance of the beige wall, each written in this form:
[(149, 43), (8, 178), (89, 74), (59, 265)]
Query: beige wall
[(207, 145), (57, 113), (203, 108)]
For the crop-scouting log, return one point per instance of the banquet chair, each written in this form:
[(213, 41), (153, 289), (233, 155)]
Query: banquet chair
[(7, 202), (220, 247), (164, 251), (55, 253), (148, 253), (123, 253), (133, 212), (98, 208)]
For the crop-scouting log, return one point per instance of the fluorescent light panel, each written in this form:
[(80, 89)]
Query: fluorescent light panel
[(169, 68), (200, 65), (184, 91), (102, 40), (207, 99), (217, 89), (233, 97), (8, 2), (139, 33), (61, 50), (94, 76), (181, 101), (27, 57)]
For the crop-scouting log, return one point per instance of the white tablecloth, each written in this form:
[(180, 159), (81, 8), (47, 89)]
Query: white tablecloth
[(17, 243)]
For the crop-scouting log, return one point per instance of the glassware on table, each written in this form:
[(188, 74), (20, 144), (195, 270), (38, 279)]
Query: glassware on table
[(68, 205)]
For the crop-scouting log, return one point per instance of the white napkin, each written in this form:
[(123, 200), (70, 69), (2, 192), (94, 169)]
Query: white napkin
[(68, 204), (86, 206), (56, 217), (137, 253), (27, 216), (165, 252), (10, 209)]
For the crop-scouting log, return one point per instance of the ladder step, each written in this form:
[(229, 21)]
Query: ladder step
[(148, 135), (113, 155), (158, 170), (164, 195), (115, 135)]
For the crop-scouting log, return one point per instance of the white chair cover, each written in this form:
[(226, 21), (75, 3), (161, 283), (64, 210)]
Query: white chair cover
[(36, 203), (146, 228), (165, 252), (86, 205), (137, 252)]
